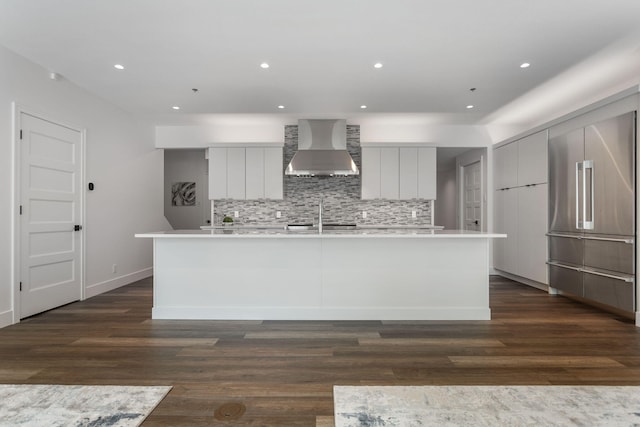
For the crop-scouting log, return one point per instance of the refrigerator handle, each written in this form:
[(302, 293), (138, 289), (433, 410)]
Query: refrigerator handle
[(587, 220), (610, 276), (578, 193)]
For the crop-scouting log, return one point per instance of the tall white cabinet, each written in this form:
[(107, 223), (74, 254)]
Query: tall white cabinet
[(398, 172), (245, 172), (521, 207)]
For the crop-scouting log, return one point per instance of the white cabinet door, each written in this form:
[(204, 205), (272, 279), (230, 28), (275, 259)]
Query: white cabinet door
[(521, 211), (217, 173), (427, 173), (389, 173), (236, 173), (505, 256), (398, 173), (532, 159), (408, 173), (254, 173), (506, 166), (532, 229), (273, 173), (245, 173), (370, 173)]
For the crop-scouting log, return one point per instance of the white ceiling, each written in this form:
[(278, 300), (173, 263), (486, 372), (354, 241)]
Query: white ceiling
[(321, 53)]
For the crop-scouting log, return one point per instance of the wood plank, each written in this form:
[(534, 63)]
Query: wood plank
[(284, 371)]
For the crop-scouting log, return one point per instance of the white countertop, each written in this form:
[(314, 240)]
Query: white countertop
[(327, 227), (326, 234)]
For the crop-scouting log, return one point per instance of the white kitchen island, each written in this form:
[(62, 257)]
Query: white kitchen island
[(364, 274)]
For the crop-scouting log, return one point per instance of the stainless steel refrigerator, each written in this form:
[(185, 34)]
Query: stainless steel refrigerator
[(591, 212)]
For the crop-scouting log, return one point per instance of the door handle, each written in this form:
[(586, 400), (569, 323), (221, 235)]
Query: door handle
[(608, 239), (77, 227), (475, 222), (588, 271), (610, 276), (578, 176), (568, 236), (587, 205)]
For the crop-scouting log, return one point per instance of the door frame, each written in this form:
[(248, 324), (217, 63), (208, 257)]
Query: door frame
[(16, 229), (461, 162)]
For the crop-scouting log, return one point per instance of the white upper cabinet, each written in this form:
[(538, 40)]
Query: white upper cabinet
[(254, 165), (408, 173), (217, 173), (245, 173), (389, 173), (506, 166), (236, 171), (273, 173), (532, 159), (398, 173), (427, 173), (522, 162), (370, 173)]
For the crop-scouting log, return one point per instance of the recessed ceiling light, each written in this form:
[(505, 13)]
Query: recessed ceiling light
[(469, 107), (363, 107), (281, 106), (264, 65), (119, 67), (377, 65), (175, 107), (525, 65)]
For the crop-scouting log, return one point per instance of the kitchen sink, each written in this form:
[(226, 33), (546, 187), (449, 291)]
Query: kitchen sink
[(339, 226), (300, 227)]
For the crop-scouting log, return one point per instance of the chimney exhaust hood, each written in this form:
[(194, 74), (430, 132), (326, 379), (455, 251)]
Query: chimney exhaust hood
[(322, 149)]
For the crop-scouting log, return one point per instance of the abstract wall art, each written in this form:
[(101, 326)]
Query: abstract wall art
[(183, 194)]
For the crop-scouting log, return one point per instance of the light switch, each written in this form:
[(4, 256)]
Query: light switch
[(413, 214), (236, 214)]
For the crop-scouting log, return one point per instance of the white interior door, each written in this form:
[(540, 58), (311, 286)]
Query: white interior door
[(472, 199), (50, 248)]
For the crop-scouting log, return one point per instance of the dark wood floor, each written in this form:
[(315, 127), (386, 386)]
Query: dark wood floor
[(283, 372)]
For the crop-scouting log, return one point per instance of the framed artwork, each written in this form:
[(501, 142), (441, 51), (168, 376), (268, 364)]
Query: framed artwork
[(183, 194)]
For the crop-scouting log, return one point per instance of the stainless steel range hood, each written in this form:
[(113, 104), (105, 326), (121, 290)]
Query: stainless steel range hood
[(322, 149)]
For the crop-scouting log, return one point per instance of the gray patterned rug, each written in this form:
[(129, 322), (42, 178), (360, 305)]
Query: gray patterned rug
[(77, 405), (486, 406)]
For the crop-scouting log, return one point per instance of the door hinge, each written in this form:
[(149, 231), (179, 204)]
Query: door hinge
[(20, 133), (20, 286), (20, 209)]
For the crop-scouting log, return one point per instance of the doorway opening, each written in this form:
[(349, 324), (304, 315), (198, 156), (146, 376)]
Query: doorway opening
[(449, 206)]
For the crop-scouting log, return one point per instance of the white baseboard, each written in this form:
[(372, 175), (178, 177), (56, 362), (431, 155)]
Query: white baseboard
[(6, 318), (109, 285), (522, 280), (320, 313)]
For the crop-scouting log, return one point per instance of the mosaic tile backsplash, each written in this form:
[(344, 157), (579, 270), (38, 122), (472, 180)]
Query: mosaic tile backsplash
[(340, 196)]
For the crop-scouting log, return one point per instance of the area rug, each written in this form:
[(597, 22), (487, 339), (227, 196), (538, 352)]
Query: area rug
[(77, 405), (486, 406)]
